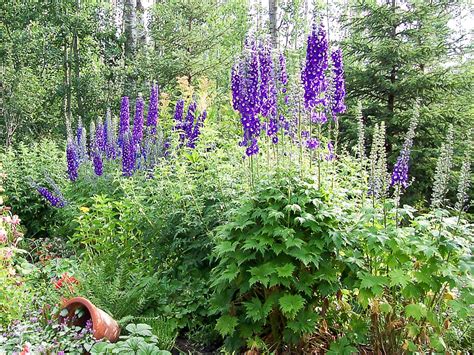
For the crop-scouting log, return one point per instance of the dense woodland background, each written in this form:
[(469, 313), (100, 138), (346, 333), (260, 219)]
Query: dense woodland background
[(65, 60)]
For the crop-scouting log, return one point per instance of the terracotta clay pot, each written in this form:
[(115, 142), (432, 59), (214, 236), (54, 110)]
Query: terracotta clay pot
[(103, 325)]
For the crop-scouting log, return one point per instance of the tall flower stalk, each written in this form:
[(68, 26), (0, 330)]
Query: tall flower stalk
[(399, 178), (124, 123), (443, 171), (152, 117), (72, 161), (463, 185), (138, 121)]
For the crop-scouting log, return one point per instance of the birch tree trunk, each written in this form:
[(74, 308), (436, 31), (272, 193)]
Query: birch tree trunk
[(272, 14), (141, 25), (129, 22)]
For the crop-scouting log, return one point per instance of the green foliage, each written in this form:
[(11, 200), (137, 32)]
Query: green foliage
[(117, 287), (410, 281), (139, 340), (29, 163), (163, 328), (396, 54), (38, 331), (277, 260)]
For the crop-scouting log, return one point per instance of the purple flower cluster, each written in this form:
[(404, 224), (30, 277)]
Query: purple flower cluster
[(72, 161), (97, 162), (337, 104), (330, 156), (55, 201), (312, 143), (400, 170), (138, 121), (152, 118), (124, 123), (100, 135), (189, 126), (254, 92), (268, 94), (313, 74), (128, 155), (196, 130), (283, 77), (318, 117)]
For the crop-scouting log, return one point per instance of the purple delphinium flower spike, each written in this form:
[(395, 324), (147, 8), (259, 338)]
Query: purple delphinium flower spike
[(152, 117), (178, 117), (128, 155), (98, 166), (313, 74), (337, 102), (138, 121), (124, 123), (100, 139), (283, 77), (246, 98), (268, 95), (196, 130), (236, 85), (400, 169), (189, 121), (72, 161), (55, 201)]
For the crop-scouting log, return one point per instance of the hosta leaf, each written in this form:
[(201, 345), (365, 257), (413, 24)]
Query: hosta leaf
[(139, 329), (291, 304), (226, 324)]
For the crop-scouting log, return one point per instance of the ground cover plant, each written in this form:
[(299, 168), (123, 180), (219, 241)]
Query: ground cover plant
[(276, 209)]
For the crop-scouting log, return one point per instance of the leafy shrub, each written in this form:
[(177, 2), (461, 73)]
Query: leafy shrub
[(25, 164), (140, 340), (411, 281), (277, 261)]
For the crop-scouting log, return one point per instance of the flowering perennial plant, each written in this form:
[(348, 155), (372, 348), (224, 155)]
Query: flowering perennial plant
[(463, 184), (257, 80), (152, 118), (443, 171), (337, 104), (245, 97), (72, 160), (313, 74), (124, 119), (400, 170), (138, 121)]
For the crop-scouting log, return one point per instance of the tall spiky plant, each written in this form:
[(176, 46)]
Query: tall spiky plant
[(443, 171)]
